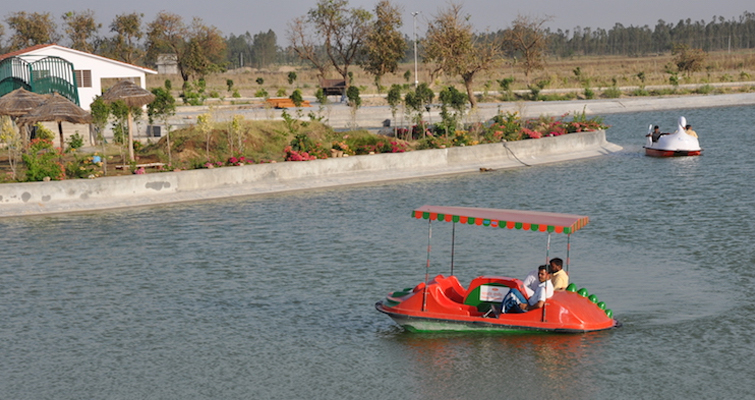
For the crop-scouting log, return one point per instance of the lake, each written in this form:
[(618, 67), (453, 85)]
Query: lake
[(273, 297)]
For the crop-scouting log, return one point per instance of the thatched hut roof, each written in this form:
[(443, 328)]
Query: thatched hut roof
[(20, 102), (131, 94), (58, 109)]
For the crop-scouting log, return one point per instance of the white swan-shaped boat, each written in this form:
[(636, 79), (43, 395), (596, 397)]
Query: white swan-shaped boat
[(674, 144)]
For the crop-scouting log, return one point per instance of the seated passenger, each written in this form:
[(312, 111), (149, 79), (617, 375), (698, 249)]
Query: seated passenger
[(515, 302), (656, 133), (688, 130), (559, 277), (530, 282)]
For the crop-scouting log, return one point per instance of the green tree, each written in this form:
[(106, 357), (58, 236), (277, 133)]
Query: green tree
[(451, 44), (199, 49), (162, 108), (385, 44), (124, 46), (31, 29), (264, 49), (456, 100), (527, 39), (418, 101), (239, 50), (394, 100), (100, 114), (81, 29)]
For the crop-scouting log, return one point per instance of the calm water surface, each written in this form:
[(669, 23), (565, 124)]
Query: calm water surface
[(272, 297)]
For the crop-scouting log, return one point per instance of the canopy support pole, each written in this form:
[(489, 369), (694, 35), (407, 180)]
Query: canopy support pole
[(427, 266), (568, 249), (453, 246), (548, 249)]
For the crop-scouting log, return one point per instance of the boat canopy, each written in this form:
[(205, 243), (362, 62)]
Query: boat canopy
[(511, 219)]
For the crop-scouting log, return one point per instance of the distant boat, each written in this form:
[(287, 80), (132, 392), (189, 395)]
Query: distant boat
[(677, 144)]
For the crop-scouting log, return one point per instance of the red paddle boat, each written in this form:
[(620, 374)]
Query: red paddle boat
[(443, 304)]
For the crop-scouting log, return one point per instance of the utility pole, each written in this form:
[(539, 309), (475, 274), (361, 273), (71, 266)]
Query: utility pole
[(414, 27)]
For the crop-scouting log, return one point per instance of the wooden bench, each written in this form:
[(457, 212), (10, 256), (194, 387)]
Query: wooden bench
[(333, 87), (150, 165), (285, 102)]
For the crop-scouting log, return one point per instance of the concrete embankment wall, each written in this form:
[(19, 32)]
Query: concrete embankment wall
[(19, 199)]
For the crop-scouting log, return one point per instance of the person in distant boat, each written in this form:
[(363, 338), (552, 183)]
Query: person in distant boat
[(559, 277), (688, 130), (656, 133), (514, 301)]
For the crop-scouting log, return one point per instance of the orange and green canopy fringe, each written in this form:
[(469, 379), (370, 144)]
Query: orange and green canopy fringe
[(511, 219)]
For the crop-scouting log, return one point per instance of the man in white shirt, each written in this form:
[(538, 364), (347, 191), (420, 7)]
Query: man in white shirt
[(531, 282), (514, 301)]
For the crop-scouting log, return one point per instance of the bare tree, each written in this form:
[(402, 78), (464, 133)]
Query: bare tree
[(528, 39), (302, 39), (451, 44), (688, 60), (341, 32)]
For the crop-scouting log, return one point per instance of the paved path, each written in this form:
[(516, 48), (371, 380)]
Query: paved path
[(339, 116)]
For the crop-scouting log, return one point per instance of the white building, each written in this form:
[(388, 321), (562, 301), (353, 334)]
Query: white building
[(94, 74), (167, 64)]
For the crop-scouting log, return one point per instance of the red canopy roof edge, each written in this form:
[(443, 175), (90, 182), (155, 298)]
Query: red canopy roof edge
[(511, 219)]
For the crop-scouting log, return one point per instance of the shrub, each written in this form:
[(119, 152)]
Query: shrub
[(510, 127), (40, 132), (241, 160), (705, 89), (84, 167), (612, 93), (75, 141), (297, 98), (41, 161), (303, 144), (504, 127), (433, 142), (295, 155)]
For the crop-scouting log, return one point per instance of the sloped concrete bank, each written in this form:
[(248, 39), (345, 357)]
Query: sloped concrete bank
[(38, 198)]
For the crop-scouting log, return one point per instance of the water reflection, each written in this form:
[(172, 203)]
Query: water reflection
[(502, 365)]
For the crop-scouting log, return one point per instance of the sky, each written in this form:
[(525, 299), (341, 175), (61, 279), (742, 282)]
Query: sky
[(239, 16)]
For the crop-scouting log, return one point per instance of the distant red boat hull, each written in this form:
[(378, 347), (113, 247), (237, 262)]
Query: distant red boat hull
[(671, 153)]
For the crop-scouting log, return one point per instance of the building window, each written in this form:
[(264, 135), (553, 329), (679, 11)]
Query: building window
[(83, 77)]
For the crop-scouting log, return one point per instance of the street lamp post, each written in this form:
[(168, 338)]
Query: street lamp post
[(414, 27)]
